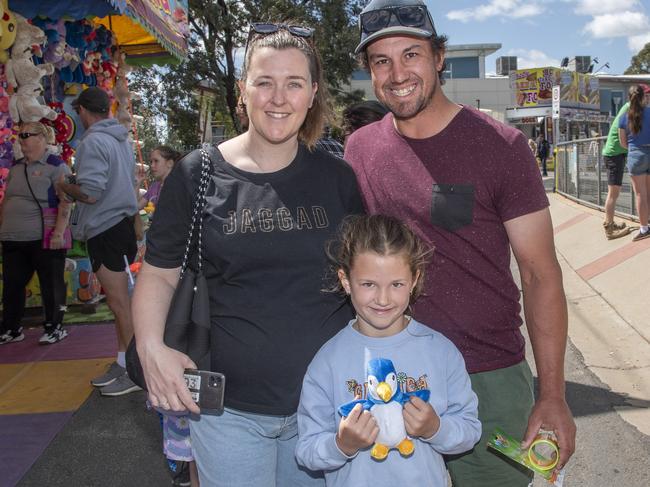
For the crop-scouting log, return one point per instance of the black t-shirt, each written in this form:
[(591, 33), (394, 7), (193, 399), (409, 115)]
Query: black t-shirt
[(264, 259)]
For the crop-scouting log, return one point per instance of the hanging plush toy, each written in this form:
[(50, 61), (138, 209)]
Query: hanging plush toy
[(385, 402), (25, 77), (121, 91)]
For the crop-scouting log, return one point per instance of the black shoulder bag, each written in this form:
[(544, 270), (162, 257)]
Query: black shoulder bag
[(187, 328)]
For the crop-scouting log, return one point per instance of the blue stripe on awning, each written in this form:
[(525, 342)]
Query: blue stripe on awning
[(68, 9)]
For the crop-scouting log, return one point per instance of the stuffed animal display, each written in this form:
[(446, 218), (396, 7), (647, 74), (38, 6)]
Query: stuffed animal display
[(385, 402), (25, 77)]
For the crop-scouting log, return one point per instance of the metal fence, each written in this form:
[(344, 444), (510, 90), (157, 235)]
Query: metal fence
[(581, 175)]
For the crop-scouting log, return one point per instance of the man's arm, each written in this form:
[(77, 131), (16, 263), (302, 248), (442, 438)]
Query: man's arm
[(75, 192), (531, 238)]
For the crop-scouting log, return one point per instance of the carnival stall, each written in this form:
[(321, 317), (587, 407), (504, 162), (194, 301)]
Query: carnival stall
[(50, 50)]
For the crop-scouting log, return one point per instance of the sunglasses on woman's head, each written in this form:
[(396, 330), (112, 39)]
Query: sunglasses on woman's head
[(408, 16), (27, 135), (266, 28), (270, 28)]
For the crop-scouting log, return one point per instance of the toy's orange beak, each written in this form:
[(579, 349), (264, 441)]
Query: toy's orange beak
[(384, 391)]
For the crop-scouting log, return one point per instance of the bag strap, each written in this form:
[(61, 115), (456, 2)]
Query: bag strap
[(197, 214), (35, 199)]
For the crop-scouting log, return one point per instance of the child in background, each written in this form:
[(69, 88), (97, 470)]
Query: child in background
[(161, 160), (380, 265)]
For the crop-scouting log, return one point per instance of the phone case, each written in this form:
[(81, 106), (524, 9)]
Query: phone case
[(207, 389)]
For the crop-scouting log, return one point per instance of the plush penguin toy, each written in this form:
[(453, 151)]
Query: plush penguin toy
[(385, 402)]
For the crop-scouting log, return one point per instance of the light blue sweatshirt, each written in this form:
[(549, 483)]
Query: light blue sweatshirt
[(105, 169), (423, 358)]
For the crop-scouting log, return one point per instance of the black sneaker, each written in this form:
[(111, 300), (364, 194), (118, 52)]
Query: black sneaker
[(180, 472), (12, 336), (52, 334)]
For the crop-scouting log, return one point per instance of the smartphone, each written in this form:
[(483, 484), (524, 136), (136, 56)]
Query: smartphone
[(207, 389)]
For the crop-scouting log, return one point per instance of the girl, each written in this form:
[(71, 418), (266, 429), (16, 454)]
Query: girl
[(161, 160), (634, 135), (380, 265), (272, 202)]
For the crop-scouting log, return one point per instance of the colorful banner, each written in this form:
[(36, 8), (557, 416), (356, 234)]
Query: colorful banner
[(533, 88)]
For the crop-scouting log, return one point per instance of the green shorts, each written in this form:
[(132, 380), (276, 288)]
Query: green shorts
[(505, 399)]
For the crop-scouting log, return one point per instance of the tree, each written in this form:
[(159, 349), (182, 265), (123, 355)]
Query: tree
[(219, 30), (640, 64)]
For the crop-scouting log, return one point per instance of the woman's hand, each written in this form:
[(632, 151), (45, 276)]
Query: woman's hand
[(57, 241), (163, 371)]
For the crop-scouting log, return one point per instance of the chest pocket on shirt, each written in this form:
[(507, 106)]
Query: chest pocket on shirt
[(452, 206)]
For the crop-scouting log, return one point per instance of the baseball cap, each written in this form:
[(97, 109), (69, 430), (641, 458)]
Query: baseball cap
[(93, 99), (646, 88), (382, 18)]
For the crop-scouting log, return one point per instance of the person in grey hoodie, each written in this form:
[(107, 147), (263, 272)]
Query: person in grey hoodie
[(103, 218)]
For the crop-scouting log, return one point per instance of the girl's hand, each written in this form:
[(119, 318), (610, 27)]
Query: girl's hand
[(356, 431), (420, 418), (163, 370)]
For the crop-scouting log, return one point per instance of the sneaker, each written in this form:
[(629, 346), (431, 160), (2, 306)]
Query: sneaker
[(12, 336), (52, 334), (641, 235), (614, 225), (114, 371), (612, 231), (180, 472), (120, 386)]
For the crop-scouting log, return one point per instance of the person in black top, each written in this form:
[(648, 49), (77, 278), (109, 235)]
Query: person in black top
[(272, 203)]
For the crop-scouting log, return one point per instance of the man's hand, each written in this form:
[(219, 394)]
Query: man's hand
[(356, 431), (420, 418), (553, 414)]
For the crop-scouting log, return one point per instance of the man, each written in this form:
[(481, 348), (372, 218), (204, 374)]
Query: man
[(103, 218), (470, 186), (614, 155)]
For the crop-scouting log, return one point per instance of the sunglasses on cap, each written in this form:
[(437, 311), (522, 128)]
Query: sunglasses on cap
[(407, 16), (27, 135)]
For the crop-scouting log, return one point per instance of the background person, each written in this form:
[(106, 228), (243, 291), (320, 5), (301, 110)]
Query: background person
[(473, 203), (103, 218), (272, 203), (634, 134), (543, 151), (614, 155), (21, 233), (161, 163), (361, 114)]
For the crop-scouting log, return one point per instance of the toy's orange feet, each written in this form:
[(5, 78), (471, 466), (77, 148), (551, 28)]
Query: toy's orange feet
[(379, 451), (406, 447)]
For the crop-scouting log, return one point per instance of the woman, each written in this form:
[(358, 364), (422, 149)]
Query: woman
[(30, 189), (161, 162), (634, 135), (272, 203)]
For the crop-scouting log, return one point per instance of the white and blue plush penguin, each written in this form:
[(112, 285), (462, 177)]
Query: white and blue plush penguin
[(385, 402)]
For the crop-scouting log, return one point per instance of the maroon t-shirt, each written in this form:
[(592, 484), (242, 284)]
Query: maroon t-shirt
[(455, 190)]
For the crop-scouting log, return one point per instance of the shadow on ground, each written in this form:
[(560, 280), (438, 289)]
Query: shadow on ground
[(587, 400)]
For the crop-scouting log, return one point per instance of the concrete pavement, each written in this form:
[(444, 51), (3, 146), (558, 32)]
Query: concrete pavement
[(607, 283)]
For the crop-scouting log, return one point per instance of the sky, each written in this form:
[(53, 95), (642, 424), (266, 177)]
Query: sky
[(542, 32)]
